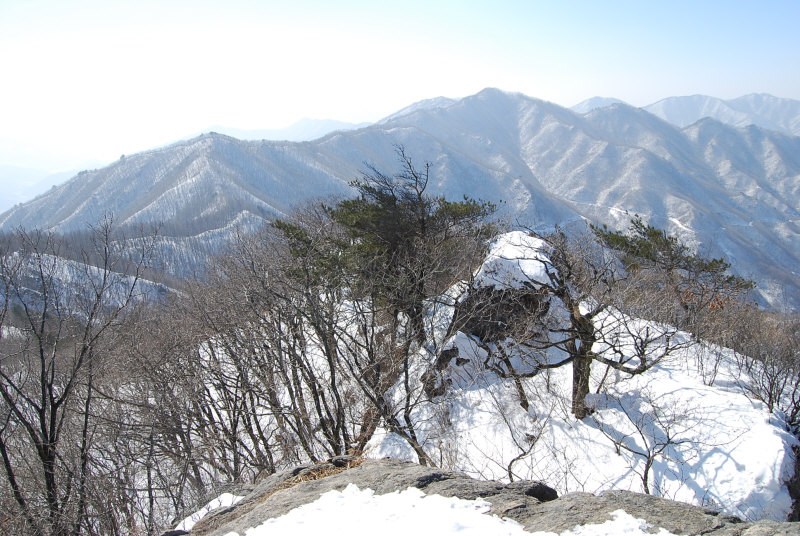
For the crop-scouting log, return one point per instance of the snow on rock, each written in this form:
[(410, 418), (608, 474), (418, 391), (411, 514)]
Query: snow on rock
[(357, 512), (223, 501), (514, 258)]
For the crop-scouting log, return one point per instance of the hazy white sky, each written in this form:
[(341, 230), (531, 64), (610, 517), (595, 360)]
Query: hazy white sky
[(85, 81)]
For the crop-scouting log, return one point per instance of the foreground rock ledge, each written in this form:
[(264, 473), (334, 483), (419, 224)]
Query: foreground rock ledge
[(532, 504)]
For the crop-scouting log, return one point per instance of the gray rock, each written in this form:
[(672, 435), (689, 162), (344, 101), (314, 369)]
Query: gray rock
[(535, 489), (760, 528), (272, 498), (533, 504), (585, 508)]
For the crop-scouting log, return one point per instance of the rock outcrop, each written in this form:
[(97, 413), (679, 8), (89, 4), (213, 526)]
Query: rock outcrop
[(532, 504)]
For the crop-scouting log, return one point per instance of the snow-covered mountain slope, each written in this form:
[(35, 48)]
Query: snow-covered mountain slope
[(757, 109), (436, 102), (724, 190), (191, 186)]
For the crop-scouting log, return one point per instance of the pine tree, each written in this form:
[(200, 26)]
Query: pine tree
[(406, 245), (698, 285)]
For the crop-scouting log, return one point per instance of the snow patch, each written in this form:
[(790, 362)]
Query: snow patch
[(223, 501)]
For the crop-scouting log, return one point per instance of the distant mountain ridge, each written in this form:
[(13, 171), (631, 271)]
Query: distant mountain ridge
[(757, 109), (760, 109), (303, 130), (594, 103), (20, 183), (726, 190)]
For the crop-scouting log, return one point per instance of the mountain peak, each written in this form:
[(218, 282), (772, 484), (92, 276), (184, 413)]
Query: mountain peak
[(427, 104), (489, 94), (493, 92), (594, 103)]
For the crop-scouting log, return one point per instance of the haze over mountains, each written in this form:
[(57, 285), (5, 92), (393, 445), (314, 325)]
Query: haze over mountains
[(21, 184), (303, 130), (758, 109), (724, 175)]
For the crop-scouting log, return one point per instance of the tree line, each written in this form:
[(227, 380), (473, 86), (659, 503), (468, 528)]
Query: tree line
[(123, 408)]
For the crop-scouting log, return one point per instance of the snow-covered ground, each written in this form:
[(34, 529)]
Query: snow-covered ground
[(708, 445), (725, 451)]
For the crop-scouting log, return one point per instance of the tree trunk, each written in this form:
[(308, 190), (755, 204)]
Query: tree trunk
[(581, 352), (581, 368), (648, 463)]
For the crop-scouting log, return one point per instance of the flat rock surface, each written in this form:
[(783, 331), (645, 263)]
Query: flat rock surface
[(532, 504)]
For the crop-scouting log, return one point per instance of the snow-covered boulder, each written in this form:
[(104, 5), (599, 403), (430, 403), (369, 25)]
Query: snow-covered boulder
[(402, 497)]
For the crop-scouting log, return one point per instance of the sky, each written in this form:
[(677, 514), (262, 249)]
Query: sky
[(84, 82)]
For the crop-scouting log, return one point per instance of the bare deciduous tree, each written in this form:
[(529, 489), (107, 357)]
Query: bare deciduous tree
[(767, 349), (651, 429), (58, 325)]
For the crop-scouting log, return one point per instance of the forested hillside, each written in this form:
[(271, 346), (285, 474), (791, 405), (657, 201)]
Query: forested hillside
[(725, 191), (396, 321)]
